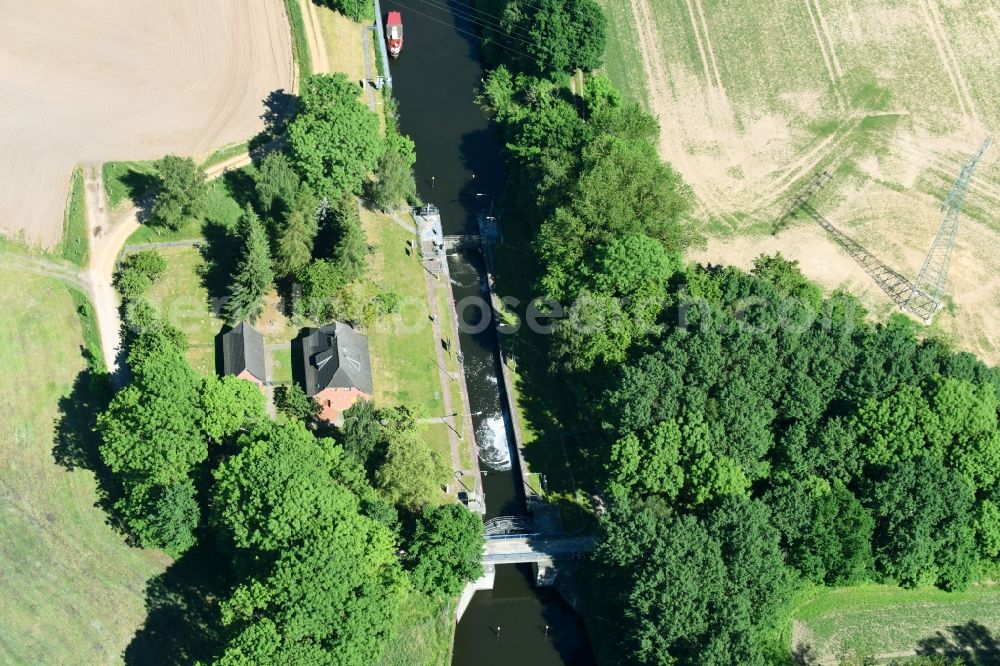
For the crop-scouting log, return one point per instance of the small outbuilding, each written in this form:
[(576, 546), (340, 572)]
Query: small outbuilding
[(336, 368), (243, 354)]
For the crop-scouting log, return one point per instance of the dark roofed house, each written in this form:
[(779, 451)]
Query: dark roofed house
[(337, 368), (243, 354)]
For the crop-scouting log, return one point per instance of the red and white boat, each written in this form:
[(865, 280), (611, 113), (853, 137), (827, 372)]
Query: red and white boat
[(394, 33)]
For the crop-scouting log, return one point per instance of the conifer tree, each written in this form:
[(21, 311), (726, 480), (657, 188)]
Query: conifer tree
[(255, 272)]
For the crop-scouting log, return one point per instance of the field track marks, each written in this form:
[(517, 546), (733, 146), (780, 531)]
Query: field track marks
[(711, 53), (935, 13), (827, 60), (949, 168), (659, 99), (794, 172), (829, 39), (701, 47), (317, 47), (995, 15), (953, 70)]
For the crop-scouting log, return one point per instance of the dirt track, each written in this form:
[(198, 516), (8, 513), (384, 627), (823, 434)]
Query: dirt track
[(89, 82)]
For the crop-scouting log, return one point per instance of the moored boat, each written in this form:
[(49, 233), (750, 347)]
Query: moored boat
[(394, 33)]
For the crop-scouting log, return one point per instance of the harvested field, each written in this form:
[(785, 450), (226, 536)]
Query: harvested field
[(123, 79), (754, 98)]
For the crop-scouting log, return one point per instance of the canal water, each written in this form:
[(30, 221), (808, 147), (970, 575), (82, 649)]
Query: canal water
[(458, 169)]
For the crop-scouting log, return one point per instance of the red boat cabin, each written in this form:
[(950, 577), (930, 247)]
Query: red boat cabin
[(394, 33)]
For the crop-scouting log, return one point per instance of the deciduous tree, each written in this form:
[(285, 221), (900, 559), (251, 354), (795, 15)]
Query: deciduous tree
[(181, 193), (446, 549), (335, 140)]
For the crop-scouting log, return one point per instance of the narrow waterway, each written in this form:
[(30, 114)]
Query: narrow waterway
[(459, 170)]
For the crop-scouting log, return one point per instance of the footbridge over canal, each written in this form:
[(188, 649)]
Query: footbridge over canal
[(509, 540)]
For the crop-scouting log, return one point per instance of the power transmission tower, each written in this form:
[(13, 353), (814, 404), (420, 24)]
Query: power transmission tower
[(925, 297), (892, 283)]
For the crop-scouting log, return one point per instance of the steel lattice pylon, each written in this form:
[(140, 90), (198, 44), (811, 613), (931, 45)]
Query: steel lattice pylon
[(892, 283), (925, 297), (897, 287)]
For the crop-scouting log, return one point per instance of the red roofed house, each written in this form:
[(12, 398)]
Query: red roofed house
[(337, 369)]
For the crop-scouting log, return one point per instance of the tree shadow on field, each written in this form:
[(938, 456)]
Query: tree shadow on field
[(142, 187), (182, 620), (803, 654), (242, 187), (220, 257), (76, 439), (280, 107), (972, 642)]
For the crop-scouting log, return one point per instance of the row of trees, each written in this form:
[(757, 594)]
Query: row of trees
[(754, 434)]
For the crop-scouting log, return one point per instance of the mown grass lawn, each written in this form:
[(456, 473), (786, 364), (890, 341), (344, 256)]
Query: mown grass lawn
[(404, 364), (882, 619), (182, 298), (281, 365), (72, 592), (423, 633)]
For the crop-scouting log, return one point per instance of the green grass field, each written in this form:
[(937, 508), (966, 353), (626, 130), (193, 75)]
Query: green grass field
[(72, 591), (404, 364), (183, 300), (124, 180), (423, 634), (882, 620), (73, 246)]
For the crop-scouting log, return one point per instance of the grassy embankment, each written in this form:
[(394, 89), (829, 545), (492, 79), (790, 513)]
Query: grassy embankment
[(543, 410), (73, 247), (300, 44), (73, 591), (225, 153), (885, 620)]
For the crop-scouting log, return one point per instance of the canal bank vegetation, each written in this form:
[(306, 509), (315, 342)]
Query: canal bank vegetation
[(291, 541), (747, 435)]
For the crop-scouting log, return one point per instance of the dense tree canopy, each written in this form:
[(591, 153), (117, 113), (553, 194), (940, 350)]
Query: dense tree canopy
[(546, 36), (333, 589), (152, 440), (753, 432), (446, 549), (334, 138)]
